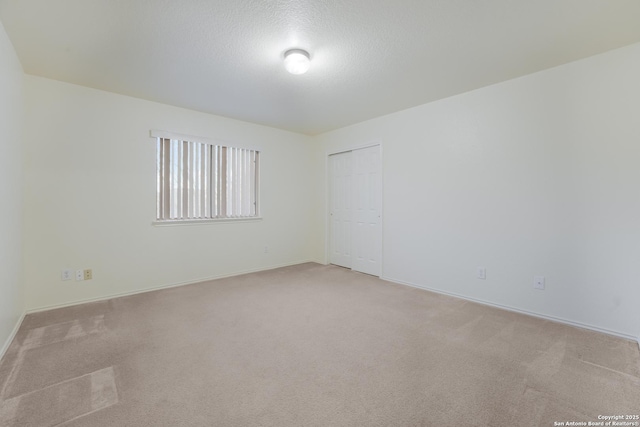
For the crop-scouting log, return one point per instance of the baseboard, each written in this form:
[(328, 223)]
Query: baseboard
[(157, 288), (521, 311), (12, 335), (401, 282)]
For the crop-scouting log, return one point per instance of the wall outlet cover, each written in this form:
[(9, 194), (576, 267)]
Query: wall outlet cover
[(539, 282)]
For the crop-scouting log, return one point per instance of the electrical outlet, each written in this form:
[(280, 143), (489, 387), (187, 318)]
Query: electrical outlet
[(266, 249), (79, 275), (482, 273), (538, 282), (88, 274), (66, 275)]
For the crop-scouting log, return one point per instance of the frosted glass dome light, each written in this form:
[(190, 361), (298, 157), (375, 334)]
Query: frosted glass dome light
[(297, 61)]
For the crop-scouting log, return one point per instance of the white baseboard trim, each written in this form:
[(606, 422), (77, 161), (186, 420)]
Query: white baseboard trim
[(521, 311), (157, 288), (12, 335), (5, 347)]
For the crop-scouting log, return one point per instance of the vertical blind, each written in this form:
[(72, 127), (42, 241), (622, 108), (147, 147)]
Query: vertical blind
[(202, 181)]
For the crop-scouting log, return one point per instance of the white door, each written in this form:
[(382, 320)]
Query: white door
[(355, 204), (340, 215), (367, 189)]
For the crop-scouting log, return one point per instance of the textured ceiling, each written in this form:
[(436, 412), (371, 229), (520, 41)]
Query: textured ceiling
[(369, 57)]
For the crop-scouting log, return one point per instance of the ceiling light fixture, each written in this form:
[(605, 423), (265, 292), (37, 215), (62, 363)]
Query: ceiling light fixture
[(297, 61)]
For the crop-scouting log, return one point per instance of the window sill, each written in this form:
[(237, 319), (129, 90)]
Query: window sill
[(179, 222)]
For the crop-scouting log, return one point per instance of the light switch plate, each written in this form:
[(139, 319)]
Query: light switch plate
[(66, 275)]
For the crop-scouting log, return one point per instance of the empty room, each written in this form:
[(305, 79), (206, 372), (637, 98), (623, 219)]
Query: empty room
[(320, 213)]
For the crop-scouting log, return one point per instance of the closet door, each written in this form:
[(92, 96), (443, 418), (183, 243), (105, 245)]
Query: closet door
[(367, 211), (340, 208), (355, 210)]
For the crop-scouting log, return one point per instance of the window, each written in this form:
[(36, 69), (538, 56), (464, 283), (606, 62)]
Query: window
[(203, 181)]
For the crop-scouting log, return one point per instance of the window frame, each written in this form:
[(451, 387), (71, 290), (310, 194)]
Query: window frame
[(156, 134)]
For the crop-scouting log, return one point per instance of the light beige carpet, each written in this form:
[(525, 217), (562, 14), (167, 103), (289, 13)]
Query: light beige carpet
[(309, 345)]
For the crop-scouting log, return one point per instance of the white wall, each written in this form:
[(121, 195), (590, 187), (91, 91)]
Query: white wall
[(11, 168), (535, 176), (90, 197)]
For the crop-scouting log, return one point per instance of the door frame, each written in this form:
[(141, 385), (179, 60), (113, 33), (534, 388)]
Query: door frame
[(327, 201)]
